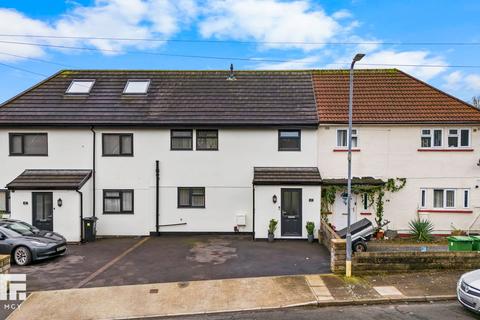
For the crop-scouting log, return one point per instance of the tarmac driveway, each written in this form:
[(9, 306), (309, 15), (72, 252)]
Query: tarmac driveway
[(125, 261)]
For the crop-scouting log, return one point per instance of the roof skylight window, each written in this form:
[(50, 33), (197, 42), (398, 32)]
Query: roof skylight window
[(136, 87), (80, 86)]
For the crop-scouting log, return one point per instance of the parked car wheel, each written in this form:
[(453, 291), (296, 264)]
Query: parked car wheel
[(22, 256), (359, 246)]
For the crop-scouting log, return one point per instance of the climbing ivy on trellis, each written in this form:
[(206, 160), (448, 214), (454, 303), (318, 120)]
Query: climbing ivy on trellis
[(375, 194)]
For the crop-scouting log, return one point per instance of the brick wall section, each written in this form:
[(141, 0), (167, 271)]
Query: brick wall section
[(4, 263), (330, 239), (338, 255), (373, 262)]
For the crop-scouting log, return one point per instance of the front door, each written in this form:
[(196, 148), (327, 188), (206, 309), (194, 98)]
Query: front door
[(42, 210), (291, 223)]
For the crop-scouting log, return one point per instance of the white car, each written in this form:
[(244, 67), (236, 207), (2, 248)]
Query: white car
[(468, 290)]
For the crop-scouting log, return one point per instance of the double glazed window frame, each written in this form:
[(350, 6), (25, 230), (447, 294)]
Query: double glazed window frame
[(354, 138), (120, 137), (120, 192), (125, 89), (446, 195), (11, 136), (191, 195), (75, 81), (298, 139), (172, 138), (198, 137), (445, 134), (6, 193)]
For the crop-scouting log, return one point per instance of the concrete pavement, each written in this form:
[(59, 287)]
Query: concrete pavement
[(230, 295)]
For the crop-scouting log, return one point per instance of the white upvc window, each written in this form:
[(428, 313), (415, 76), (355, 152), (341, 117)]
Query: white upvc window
[(466, 198), (342, 138), (444, 198), (449, 198), (431, 138), (423, 198), (458, 138)]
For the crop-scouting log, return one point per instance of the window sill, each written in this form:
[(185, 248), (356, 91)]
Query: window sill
[(445, 211), (365, 213), (444, 150), (345, 150), (117, 213)]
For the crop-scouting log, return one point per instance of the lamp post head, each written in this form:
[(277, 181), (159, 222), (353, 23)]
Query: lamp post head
[(358, 57)]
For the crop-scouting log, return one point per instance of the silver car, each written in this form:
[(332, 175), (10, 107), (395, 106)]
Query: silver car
[(25, 243), (468, 290)]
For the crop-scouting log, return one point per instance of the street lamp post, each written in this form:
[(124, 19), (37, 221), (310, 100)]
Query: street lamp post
[(348, 266)]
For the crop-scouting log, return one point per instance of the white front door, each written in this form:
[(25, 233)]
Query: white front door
[(339, 216)]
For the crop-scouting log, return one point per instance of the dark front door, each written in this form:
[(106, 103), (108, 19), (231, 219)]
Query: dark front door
[(42, 210), (291, 224)]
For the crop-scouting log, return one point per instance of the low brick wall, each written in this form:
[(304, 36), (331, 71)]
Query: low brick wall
[(4, 263), (330, 239), (370, 262)]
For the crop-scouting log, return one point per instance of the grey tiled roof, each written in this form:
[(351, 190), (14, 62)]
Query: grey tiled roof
[(50, 179), (286, 176), (174, 98)]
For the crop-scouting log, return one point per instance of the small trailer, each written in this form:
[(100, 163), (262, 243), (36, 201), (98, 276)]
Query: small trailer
[(362, 231)]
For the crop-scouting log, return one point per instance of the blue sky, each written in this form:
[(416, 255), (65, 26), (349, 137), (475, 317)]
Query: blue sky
[(275, 30)]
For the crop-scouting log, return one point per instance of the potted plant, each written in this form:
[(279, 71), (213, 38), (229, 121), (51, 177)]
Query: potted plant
[(272, 226), (310, 226)]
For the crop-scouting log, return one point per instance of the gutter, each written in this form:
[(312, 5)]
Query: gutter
[(93, 170), (81, 215)]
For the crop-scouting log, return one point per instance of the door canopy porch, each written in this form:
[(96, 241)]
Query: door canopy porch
[(286, 176), (50, 179)]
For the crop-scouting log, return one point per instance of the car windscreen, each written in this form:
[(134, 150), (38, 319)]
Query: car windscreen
[(19, 228)]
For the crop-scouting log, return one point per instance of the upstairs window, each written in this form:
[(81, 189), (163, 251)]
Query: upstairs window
[(80, 86), (458, 138), (431, 138), (136, 87), (342, 138), (28, 144), (207, 139), (117, 144), (181, 140), (289, 140)]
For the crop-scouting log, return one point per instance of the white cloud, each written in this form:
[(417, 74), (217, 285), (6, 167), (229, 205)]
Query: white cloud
[(105, 18), (341, 14), (298, 64), (270, 21), (395, 59), (459, 81)]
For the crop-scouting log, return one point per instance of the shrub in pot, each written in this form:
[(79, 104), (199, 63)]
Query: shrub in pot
[(272, 226), (310, 226)]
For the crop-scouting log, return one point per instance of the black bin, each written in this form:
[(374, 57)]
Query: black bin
[(90, 229)]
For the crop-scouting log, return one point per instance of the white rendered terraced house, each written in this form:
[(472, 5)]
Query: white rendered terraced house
[(204, 151)]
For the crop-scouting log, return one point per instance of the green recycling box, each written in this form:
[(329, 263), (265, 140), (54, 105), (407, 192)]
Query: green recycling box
[(476, 243), (460, 243)]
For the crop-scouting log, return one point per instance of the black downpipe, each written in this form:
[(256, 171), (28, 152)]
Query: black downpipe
[(253, 211), (81, 215), (93, 170), (157, 196)]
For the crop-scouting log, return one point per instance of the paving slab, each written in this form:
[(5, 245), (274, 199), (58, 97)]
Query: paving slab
[(163, 299)]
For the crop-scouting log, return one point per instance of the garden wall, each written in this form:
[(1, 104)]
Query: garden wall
[(337, 246), (373, 262), (4, 264)]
